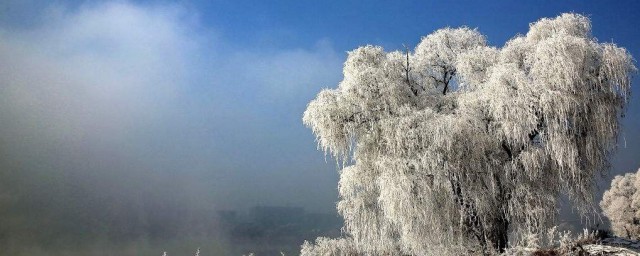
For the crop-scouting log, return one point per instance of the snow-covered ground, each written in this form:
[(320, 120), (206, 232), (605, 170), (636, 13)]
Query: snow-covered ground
[(614, 246)]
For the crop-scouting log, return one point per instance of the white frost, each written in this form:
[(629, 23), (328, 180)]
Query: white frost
[(453, 147)]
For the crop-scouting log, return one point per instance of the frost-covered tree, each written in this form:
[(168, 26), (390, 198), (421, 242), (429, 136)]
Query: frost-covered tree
[(457, 146), (621, 205)]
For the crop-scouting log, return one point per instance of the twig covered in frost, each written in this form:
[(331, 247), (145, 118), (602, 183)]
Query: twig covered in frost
[(457, 146)]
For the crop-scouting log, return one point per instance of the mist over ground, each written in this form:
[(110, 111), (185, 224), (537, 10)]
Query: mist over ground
[(131, 126), (125, 120)]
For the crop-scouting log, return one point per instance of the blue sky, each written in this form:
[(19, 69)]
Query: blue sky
[(207, 96)]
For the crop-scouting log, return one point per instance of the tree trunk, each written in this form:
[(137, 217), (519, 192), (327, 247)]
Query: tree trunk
[(500, 235)]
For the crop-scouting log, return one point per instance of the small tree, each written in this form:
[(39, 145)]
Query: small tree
[(457, 145), (621, 205)]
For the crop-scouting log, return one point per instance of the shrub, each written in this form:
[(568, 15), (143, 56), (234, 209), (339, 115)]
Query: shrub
[(621, 205)]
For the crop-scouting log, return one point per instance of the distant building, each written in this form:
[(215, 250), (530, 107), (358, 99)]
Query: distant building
[(272, 216)]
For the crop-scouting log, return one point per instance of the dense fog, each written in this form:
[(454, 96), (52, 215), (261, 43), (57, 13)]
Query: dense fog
[(134, 128), (122, 122)]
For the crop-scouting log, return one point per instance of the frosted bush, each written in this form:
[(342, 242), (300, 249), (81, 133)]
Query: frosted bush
[(329, 247), (554, 242), (621, 205)]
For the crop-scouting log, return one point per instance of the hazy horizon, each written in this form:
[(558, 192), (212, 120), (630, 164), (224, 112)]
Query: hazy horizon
[(113, 108)]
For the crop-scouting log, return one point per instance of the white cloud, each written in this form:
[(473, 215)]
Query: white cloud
[(117, 82), (101, 69), (289, 73)]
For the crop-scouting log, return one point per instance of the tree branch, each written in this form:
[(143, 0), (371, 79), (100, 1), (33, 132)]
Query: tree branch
[(407, 68)]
